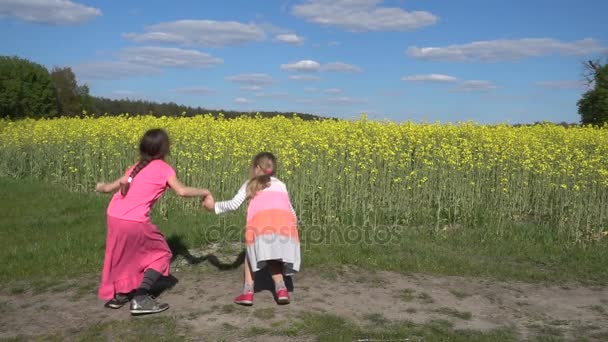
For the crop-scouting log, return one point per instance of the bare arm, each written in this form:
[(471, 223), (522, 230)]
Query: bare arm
[(109, 187), (185, 191)]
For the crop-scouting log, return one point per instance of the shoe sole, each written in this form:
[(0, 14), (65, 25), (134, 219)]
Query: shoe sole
[(244, 302), (283, 300), (114, 306), (147, 312)]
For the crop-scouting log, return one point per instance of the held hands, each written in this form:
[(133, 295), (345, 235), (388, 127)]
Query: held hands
[(208, 202)]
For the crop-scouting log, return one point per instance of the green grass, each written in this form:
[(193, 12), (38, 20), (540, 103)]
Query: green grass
[(85, 288), (454, 313), (425, 298), (525, 252), (228, 309), (140, 329), (599, 309), (257, 331), (50, 232), (376, 319), (407, 295), (546, 332), (460, 294), (328, 327), (264, 314)]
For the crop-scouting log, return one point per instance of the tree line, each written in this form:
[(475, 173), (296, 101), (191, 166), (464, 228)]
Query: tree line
[(28, 89), (121, 106)]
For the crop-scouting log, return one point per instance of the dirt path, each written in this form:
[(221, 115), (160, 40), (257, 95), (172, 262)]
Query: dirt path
[(202, 301)]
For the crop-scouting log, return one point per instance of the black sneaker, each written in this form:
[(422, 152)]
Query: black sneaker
[(143, 305), (118, 301)]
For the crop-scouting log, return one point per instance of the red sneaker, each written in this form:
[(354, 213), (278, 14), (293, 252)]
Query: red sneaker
[(283, 296), (244, 299)]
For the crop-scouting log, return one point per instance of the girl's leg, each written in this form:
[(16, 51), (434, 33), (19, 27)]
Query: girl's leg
[(150, 277), (246, 297), (248, 277), (276, 271), (143, 303)]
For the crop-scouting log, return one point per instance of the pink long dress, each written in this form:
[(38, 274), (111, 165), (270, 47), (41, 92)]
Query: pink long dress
[(133, 243)]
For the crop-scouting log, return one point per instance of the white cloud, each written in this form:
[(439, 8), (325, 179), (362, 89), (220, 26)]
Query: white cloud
[(112, 70), (475, 86), (195, 91), (334, 43), (461, 86), (303, 66), (333, 91), (305, 78), (311, 90), (241, 100), (168, 57), (251, 79), (145, 60), (251, 88), (201, 32), (344, 100), (362, 15), (272, 95), (500, 50), (342, 67), (313, 66), (290, 39), (568, 84), (56, 12), (434, 78)]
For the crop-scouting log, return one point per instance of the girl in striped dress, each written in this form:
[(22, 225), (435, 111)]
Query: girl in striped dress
[(271, 233)]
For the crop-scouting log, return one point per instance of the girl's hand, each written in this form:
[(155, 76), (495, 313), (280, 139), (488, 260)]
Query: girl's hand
[(209, 203), (108, 187), (100, 187)]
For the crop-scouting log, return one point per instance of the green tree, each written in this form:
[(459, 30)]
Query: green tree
[(26, 89), (86, 101), (69, 95), (593, 106)]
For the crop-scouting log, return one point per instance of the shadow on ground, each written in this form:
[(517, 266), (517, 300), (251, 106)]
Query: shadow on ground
[(178, 247)]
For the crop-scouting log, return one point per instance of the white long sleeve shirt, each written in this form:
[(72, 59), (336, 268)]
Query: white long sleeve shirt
[(239, 198)]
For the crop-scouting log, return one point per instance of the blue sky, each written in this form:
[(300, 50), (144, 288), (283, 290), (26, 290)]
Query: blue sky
[(433, 60)]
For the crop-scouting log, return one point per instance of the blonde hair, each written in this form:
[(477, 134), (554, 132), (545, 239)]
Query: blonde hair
[(268, 163)]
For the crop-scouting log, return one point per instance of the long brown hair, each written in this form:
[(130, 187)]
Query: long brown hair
[(153, 146), (267, 162)]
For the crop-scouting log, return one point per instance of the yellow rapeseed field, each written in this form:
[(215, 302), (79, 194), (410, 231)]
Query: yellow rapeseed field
[(348, 172)]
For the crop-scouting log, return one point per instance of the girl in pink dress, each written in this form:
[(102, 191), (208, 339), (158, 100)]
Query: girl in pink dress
[(137, 254)]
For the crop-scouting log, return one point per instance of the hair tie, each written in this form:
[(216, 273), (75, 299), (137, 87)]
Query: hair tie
[(269, 172)]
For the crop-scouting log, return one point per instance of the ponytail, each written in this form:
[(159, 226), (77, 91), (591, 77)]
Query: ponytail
[(124, 187), (256, 184), (154, 145)]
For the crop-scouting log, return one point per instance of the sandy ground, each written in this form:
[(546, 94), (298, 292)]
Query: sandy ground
[(202, 301)]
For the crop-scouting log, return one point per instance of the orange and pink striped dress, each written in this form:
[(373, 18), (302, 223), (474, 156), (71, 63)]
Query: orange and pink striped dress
[(271, 232)]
